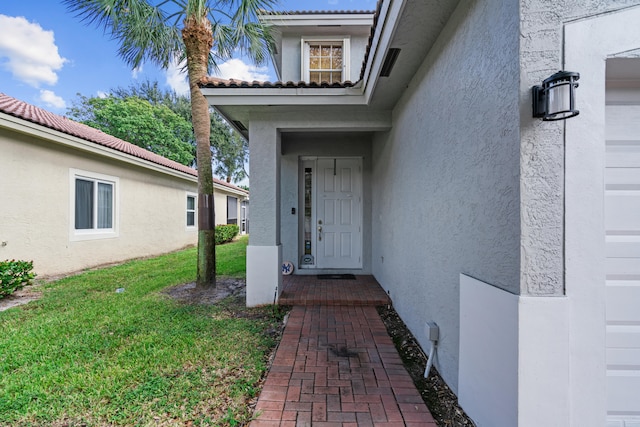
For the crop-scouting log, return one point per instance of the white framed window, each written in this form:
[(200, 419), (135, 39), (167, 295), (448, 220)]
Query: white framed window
[(232, 210), (325, 59), (191, 211), (94, 210)]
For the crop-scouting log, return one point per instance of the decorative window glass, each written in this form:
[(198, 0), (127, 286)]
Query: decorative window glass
[(325, 60), (191, 211)]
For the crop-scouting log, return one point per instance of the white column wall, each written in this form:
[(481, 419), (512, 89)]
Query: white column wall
[(264, 253), (514, 358)]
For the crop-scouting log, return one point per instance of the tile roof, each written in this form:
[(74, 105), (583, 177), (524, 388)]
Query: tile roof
[(33, 114), (316, 12), (216, 82)]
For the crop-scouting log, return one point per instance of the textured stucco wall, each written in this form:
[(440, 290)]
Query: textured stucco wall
[(542, 143), (446, 192), (35, 208), (327, 144)]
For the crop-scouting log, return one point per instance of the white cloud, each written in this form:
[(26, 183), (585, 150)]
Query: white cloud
[(177, 79), (136, 71), (232, 69), (28, 51), (238, 70), (102, 94), (51, 99)]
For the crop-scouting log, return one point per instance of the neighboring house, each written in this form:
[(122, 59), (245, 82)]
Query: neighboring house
[(424, 167), (73, 197)]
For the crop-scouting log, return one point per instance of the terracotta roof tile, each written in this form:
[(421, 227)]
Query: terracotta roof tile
[(216, 82), (33, 114), (316, 12)]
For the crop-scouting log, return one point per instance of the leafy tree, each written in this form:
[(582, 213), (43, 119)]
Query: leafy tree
[(162, 32), (151, 91), (153, 127), (231, 150)]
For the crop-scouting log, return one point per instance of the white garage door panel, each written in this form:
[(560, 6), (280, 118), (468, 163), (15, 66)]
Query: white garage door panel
[(623, 154), (627, 177), (618, 358), (623, 303), (622, 122), (623, 246), (622, 268), (622, 234), (623, 336), (621, 211), (625, 391)]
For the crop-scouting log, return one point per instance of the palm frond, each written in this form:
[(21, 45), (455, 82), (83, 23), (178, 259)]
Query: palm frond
[(141, 28), (244, 31)]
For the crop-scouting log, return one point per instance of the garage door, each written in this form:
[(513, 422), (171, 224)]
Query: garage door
[(622, 222)]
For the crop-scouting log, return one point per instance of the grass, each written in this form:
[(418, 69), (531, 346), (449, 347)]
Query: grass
[(86, 355)]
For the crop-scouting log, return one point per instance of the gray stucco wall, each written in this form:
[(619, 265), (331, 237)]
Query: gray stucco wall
[(446, 177), (542, 143), (321, 145)]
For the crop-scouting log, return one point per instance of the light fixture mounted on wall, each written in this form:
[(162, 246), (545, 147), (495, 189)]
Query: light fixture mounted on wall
[(556, 98)]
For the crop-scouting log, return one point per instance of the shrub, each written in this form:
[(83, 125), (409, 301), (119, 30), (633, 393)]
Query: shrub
[(226, 232), (15, 275)]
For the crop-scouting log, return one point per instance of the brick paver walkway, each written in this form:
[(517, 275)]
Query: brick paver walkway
[(336, 366), (308, 290)]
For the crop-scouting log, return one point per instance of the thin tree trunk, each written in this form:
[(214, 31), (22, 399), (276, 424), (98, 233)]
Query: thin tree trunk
[(198, 40)]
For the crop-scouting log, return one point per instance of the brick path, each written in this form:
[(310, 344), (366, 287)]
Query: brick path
[(336, 366), (308, 290)]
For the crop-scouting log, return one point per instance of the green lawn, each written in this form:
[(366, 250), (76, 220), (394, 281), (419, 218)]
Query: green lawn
[(86, 355)]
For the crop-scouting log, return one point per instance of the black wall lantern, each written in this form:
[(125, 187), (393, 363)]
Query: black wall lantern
[(556, 98)]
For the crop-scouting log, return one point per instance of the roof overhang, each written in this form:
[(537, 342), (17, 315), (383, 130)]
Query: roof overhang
[(408, 25), (318, 19)]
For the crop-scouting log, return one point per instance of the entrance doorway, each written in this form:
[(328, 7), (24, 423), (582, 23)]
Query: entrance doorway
[(331, 219)]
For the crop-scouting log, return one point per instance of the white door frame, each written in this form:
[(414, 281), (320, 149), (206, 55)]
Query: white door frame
[(312, 161)]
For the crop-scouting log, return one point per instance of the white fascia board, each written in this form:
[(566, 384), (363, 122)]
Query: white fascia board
[(284, 96), (33, 129), (387, 22), (319, 20), (226, 189)]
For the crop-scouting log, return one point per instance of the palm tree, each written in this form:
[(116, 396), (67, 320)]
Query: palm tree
[(201, 32)]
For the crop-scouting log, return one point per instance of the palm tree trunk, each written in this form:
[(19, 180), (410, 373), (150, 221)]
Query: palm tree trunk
[(198, 40)]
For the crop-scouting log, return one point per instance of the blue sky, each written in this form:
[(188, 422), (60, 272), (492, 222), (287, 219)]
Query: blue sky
[(47, 55)]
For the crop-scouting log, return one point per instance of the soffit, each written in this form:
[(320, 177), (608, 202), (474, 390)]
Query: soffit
[(418, 28)]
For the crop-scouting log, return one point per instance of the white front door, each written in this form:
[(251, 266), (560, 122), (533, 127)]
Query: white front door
[(622, 224), (338, 219)]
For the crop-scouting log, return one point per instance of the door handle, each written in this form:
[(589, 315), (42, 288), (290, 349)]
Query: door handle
[(320, 232)]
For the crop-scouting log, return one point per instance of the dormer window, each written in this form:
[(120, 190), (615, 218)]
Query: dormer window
[(325, 60)]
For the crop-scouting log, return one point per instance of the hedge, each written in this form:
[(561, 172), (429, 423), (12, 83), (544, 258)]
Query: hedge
[(15, 275), (226, 232)]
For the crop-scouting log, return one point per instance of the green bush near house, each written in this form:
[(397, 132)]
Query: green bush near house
[(15, 275), (226, 232)]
